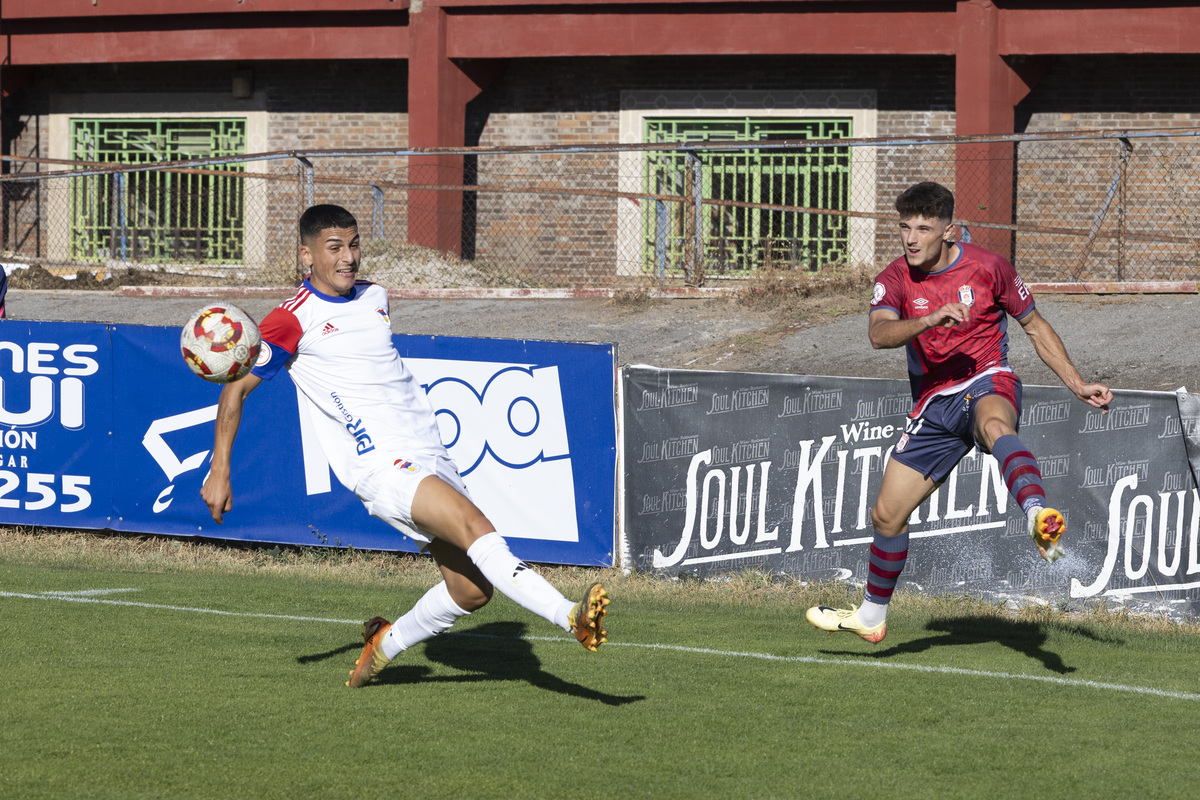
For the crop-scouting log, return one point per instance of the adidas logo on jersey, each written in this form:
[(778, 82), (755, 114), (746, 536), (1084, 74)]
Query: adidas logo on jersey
[(328, 329)]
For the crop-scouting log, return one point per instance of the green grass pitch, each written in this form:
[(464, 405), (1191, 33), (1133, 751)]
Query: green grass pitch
[(212, 682)]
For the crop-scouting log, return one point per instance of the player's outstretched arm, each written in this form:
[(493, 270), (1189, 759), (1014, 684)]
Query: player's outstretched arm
[(1051, 350), (886, 329), (217, 490)]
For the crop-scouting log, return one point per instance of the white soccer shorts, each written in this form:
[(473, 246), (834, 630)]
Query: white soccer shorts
[(388, 493)]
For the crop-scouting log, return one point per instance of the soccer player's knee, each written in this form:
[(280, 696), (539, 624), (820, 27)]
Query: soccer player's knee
[(477, 524), (884, 524)]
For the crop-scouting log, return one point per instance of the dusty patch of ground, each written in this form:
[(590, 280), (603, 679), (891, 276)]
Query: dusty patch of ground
[(38, 277), (791, 301), (757, 350)]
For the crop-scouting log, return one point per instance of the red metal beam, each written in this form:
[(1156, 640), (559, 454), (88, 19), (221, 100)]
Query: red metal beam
[(228, 44), (36, 9), (1132, 29), (209, 37), (41, 9), (984, 87), (635, 32), (74, 31)]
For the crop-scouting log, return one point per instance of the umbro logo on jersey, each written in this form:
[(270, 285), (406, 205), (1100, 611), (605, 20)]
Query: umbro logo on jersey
[(920, 302), (328, 329)]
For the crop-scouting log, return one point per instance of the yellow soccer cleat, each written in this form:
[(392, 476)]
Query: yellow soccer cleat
[(845, 619), (1046, 527), (372, 659), (588, 615)]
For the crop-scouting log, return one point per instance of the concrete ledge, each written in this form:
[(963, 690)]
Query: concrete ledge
[(675, 292)]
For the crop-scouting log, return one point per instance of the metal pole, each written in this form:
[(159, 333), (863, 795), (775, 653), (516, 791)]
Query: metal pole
[(697, 223), (1117, 184), (1126, 153), (307, 187), (660, 241), (121, 215), (377, 212)]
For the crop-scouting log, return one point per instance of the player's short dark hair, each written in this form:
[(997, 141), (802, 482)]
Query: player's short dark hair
[(927, 199), (317, 218)]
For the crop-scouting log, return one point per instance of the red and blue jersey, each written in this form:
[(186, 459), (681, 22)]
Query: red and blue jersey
[(943, 360), (364, 405)]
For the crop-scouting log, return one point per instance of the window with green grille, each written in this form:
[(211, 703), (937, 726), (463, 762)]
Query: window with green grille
[(737, 239), (158, 216)]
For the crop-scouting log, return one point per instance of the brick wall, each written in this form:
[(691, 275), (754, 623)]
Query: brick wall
[(565, 231)]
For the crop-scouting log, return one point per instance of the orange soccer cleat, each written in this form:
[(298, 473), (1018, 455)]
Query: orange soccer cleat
[(372, 659), (1046, 527), (588, 615)]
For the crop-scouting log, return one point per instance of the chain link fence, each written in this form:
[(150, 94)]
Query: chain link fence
[(1078, 207)]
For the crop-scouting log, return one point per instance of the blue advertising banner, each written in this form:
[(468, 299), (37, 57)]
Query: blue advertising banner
[(56, 458), (531, 425)]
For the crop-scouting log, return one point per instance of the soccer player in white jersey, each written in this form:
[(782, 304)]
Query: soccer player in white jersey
[(378, 431)]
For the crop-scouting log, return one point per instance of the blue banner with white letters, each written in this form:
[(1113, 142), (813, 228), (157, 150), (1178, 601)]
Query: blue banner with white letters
[(56, 409), (105, 427)]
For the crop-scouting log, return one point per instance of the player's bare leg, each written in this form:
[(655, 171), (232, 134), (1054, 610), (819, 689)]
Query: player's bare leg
[(440, 510), (902, 490)]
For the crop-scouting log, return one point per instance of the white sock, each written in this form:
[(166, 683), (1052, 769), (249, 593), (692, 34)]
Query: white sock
[(518, 581), (433, 613), (871, 614)]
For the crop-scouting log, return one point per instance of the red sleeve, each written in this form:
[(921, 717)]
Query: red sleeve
[(280, 332), (889, 291), (1012, 295), (282, 329)]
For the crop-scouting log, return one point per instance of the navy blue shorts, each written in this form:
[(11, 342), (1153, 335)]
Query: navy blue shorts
[(937, 440)]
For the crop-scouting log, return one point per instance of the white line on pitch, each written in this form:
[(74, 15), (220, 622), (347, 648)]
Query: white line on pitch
[(846, 662), (74, 597), (89, 592)]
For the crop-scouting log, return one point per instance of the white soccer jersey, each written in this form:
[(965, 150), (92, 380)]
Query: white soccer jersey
[(367, 409)]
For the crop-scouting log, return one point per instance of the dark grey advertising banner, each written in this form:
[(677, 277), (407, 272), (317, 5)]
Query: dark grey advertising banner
[(735, 471)]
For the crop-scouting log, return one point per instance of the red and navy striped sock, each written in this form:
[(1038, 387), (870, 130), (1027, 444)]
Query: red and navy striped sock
[(888, 554), (1020, 470)]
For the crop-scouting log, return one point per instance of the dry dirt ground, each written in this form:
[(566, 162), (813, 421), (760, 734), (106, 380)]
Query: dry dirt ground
[(1141, 342)]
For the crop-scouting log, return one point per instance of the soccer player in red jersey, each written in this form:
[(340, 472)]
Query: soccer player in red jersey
[(947, 303)]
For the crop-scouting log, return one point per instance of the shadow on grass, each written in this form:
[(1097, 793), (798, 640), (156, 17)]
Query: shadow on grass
[(1022, 636), (493, 652), (349, 648)]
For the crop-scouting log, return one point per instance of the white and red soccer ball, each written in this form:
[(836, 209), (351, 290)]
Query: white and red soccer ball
[(220, 343)]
